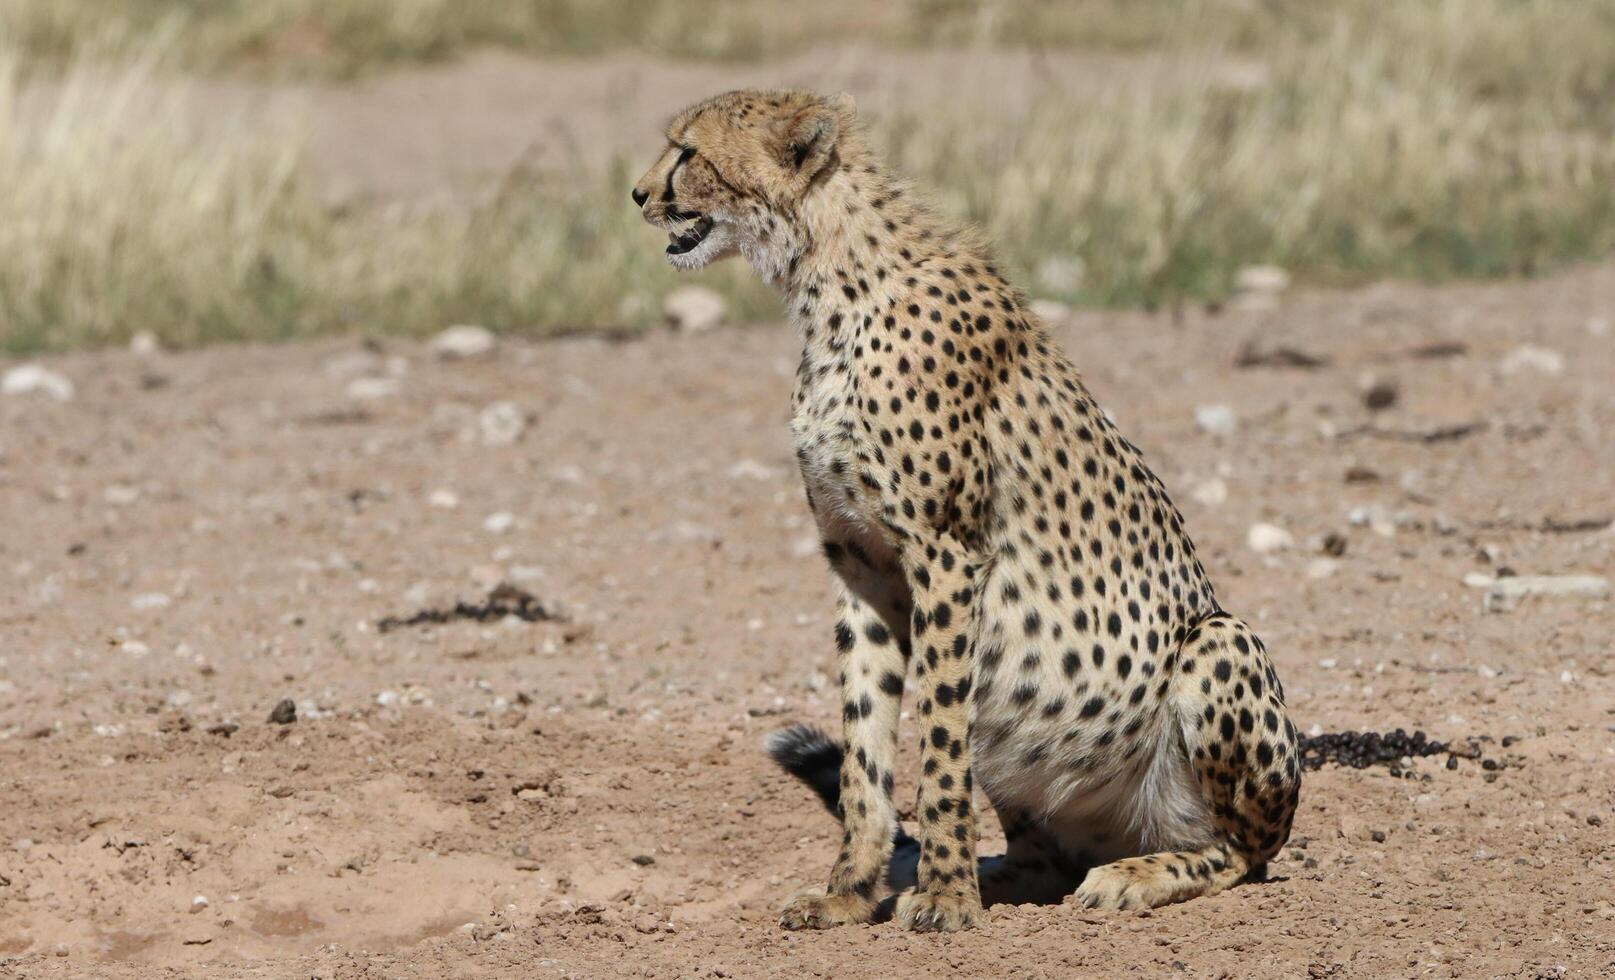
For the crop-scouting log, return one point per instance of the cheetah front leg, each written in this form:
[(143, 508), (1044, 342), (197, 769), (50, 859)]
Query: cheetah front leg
[(944, 582), (872, 639)]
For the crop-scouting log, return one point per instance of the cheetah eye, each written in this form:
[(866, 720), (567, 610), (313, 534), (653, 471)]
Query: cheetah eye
[(685, 153)]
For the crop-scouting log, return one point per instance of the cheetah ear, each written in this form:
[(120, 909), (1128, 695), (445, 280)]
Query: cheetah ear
[(811, 135)]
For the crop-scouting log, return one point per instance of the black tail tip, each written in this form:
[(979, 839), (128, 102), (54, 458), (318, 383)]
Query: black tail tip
[(803, 750), (811, 756)]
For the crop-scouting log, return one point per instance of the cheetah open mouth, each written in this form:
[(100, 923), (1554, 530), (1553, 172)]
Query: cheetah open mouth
[(692, 234)]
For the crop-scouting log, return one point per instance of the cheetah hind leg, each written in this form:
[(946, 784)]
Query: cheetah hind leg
[(1241, 747)]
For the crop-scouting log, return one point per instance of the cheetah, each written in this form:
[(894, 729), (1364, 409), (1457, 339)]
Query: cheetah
[(990, 531)]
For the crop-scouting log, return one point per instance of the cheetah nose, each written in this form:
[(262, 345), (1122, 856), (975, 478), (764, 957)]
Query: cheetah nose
[(640, 197)]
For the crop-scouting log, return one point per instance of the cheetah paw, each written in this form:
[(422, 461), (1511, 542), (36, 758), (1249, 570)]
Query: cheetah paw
[(1112, 888), (814, 911), (926, 912)]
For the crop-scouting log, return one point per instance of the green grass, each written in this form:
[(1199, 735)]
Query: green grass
[(1438, 139)]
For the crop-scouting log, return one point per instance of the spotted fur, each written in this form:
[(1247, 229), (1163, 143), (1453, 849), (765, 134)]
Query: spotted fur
[(990, 534)]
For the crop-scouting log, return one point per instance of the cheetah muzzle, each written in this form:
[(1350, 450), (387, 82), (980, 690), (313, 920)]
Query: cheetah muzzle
[(996, 546)]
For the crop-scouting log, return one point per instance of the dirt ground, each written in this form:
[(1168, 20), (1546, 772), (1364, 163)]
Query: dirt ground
[(195, 537)]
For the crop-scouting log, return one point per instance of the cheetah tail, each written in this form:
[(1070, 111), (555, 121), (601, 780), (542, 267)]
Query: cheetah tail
[(811, 756), (815, 758)]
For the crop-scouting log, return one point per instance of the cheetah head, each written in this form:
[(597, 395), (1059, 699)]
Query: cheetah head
[(736, 170)]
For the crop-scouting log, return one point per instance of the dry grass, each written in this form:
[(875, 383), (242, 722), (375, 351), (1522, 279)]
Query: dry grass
[(344, 37), (1431, 139)]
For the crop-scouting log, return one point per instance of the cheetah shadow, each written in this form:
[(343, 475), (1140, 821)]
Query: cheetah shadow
[(1048, 883)]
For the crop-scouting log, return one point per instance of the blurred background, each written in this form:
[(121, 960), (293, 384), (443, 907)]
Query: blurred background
[(209, 170)]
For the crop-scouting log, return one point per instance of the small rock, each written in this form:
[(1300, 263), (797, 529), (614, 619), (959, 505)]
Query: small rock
[(149, 600), (1060, 274), (1261, 279), (370, 389), (199, 904), (499, 523), (144, 343), (463, 341), (1530, 357), (1267, 538), (354, 363), (693, 309), (1578, 586), (285, 712), (120, 495), (1380, 394), (1051, 312), (388, 699), (1212, 493), (443, 499), (1333, 544), (643, 860), (1322, 568), (1217, 420), (750, 469), (501, 424), (31, 379), (1375, 518), (688, 531), (647, 922)]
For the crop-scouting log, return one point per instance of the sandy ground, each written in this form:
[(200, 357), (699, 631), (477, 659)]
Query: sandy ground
[(195, 537)]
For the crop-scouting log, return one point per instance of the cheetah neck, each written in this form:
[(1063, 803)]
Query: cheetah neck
[(854, 246)]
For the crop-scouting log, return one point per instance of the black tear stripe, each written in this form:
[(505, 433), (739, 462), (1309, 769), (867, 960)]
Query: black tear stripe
[(684, 154)]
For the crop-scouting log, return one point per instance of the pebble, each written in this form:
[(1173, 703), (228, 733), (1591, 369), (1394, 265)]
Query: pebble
[(1211, 493), (1060, 274), (463, 341), (1380, 394), (443, 499), (370, 389), (1262, 279), (1504, 593), (31, 379), (687, 531), (284, 713), (1530, 357), (353, 364), (1376, 518), (149, 600), (388, 698), (694, 309), (1322, 568), (1267, 538), (499, 523), (501, 424), (750, 469), (1217, 420), (144, 343), (120, 495), (198, 904)]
